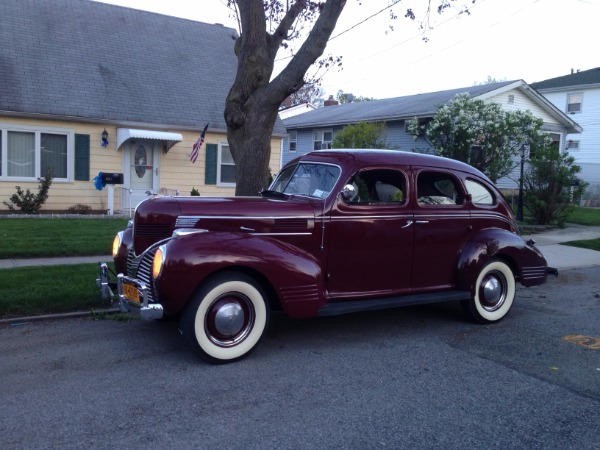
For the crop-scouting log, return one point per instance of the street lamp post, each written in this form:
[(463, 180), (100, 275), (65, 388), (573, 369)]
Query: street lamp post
[(520, 203)]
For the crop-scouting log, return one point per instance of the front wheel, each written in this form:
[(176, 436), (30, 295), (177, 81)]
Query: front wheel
[(493, 294), (226, 318)]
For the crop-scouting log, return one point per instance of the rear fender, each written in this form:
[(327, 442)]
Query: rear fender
[(294, 275), (526, 261)]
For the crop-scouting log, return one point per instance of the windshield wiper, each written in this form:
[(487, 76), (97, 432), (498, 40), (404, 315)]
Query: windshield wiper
[(276, 194)]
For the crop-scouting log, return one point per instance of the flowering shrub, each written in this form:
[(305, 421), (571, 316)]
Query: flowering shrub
[(480, 133)]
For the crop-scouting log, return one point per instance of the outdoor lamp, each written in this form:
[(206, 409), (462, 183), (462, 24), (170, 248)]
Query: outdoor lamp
[(104, 138)]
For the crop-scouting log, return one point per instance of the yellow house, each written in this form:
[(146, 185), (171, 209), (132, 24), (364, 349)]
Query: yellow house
[(93, 89)]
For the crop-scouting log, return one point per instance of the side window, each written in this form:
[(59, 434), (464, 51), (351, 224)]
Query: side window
[(379, 187), (480, 194), (438, 188)]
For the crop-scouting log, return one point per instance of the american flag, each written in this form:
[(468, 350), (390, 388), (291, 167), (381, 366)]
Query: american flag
[(197, 145)]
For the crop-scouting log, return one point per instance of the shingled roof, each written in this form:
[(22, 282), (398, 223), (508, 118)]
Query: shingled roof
[(419, 105), (583, 78), (90, 61)]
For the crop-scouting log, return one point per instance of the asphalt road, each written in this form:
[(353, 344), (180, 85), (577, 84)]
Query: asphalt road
[(419, 377)]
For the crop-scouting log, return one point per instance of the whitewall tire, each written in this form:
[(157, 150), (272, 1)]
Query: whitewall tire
[(226, 318), (493, 293)]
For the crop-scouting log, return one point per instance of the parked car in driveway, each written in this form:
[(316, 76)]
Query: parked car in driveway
[(337, 232)]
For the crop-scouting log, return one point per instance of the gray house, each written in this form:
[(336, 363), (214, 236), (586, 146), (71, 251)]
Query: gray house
[(578, 95), (315, 130)]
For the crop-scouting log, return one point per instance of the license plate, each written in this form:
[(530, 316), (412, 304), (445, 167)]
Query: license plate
[(131, 293)]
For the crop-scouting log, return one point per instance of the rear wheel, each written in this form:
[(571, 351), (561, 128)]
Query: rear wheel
[(226, 318), (493, 295)]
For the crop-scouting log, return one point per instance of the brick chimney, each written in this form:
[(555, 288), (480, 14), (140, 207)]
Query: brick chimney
[(330, 101)]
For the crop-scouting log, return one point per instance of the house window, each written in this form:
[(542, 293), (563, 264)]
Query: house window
[(293, 141), (511, 99), (322, 139), (573, 146), (574, 103), (27, 153), (225, 166)]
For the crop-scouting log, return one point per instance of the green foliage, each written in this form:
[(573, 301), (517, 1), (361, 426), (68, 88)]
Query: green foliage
[(348, 97), (480, 133), (549, 193), (194, 192), (80, 209), (27, 201), (361, 135)]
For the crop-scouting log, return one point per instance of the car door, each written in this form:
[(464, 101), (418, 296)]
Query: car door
[(371, 237), (441, 224)]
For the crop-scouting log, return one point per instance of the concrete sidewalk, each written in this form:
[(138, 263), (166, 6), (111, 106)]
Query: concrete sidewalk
[(564, 256), (27, 262)]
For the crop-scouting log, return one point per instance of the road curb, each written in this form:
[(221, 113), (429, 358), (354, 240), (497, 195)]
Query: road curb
[(70, 315)]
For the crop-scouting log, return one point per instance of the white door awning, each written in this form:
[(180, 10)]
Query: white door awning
[(126, 134)]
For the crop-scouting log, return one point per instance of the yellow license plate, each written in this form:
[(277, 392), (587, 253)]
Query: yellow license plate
[(131, 293)]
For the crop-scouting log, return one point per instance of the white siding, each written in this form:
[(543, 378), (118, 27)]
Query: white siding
[(588, 154), (522, 102)]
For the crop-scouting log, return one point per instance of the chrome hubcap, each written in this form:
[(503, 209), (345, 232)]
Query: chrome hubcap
[(229, 320), (492, 293)]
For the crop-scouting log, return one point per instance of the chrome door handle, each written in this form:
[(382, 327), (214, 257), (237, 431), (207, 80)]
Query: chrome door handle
[(422, 221), (407, 224)]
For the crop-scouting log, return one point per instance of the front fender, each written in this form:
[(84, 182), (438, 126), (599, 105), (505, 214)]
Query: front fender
[(526, 261), (294, 275)]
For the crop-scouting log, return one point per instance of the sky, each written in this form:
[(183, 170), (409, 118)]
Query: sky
[(532, 40)]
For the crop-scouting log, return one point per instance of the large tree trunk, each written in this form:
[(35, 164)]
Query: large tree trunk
[(250, 146), (253, 101)]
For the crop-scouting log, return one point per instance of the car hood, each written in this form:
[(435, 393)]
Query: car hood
[(157, 218)]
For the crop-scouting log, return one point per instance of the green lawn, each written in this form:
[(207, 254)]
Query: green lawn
[(31, 238), (584, 216), (29, 291), (592, 244)]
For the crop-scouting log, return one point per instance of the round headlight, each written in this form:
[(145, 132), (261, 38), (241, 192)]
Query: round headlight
[(117, 243), (157, 263)]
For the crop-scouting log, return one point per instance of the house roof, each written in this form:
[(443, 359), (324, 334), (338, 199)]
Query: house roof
[(575, 79), (419, 105), (90, 61)]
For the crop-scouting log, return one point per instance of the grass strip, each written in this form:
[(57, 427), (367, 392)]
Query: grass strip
[(584, 216), (33, 238), (30, 291), (591, 244)]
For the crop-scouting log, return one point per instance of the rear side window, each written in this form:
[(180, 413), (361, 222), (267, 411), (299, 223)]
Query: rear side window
[(379, 186), (480, 194), (438, 188)]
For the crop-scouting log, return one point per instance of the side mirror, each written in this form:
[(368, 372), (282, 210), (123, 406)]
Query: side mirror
[(348, 192)]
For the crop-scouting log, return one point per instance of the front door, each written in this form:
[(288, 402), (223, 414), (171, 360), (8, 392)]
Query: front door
[(141, 160)]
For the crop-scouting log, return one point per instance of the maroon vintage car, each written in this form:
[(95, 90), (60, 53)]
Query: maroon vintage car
[(337, 232)]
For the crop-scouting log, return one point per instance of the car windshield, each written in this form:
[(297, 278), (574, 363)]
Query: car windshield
[(312, 179)]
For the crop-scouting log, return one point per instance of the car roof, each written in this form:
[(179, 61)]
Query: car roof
[(366, 157)]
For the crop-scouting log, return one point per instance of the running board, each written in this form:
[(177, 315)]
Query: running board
[(352, 306)]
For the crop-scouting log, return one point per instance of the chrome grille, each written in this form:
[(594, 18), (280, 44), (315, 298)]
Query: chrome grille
[(141, 268)]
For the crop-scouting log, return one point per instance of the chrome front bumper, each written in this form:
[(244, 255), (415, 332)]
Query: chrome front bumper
[(142, 308)]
